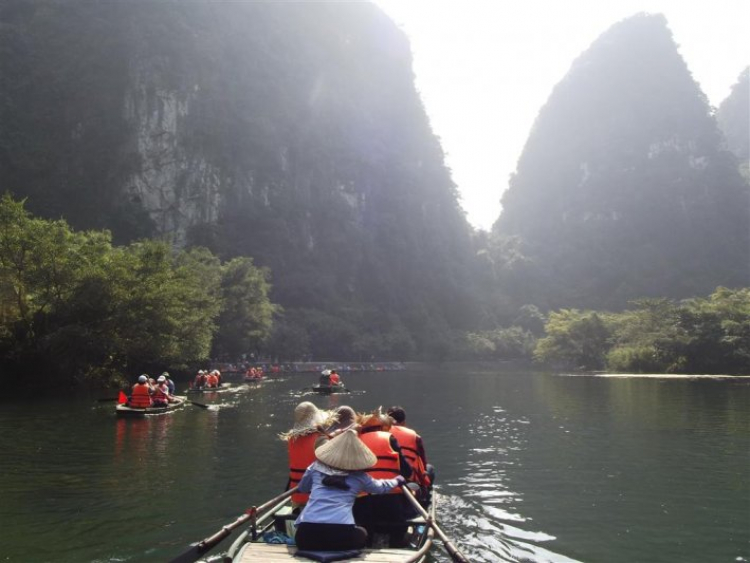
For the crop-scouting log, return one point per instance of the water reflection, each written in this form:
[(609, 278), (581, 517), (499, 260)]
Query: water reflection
[(530, 467)]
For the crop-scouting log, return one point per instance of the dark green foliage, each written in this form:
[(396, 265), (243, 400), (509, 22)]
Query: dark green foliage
[(656, 336), (499, 344), (623, 189), (575, 338), (77, 309), (247, 312)]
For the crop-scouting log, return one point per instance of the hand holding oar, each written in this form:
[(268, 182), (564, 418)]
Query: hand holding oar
[(452, 550), (197, 551)]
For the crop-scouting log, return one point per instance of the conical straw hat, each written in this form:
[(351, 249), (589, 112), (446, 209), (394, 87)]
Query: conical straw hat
[(346, 451), (307, 417)]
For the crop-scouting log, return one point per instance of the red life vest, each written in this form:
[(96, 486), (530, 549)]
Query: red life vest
[(407, 440), (140, 398), (335, 379), (387, 466), (301, 455), (161, 393)]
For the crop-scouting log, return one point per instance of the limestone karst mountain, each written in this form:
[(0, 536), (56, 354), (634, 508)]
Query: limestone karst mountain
[(624, 188)]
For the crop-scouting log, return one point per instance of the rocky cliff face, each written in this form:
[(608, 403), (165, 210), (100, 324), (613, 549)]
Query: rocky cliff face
[(289, 132), (624, 189)]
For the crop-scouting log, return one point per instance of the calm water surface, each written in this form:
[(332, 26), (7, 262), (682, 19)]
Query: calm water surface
[(531, 467)]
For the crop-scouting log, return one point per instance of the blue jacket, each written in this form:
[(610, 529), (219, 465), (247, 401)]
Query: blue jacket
[(332, 505)]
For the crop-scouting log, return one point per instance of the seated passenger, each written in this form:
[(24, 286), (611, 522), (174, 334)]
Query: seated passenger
[(325, 377), (200, 379), (371, 511), (344, 418), (413, 449), (334, 481), (161, 392), (301, 442), (140, 397), (170, 383), (212, 381), (335, 379)]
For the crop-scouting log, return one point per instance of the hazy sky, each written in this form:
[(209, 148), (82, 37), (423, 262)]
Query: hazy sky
[(484, 68)]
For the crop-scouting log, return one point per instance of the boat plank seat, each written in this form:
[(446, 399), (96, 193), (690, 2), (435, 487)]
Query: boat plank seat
[(273, 553)]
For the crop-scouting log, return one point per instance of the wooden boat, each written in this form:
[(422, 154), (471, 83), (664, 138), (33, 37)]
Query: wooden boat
[(329, 389), (125, 411), (251, 546), (206, 389)]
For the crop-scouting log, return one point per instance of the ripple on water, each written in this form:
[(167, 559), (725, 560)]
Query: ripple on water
[(483, 527)]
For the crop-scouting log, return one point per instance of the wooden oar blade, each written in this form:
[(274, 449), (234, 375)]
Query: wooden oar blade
[(195, 552), (452, 550), (201, 405)]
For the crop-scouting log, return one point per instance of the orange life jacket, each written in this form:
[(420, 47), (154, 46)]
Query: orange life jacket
[(335, 379), (161, 394), (140, 398), (301, 455), (407, 440), (212, 381), (387, 466)]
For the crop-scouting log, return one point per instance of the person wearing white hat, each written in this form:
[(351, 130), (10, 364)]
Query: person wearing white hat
[(334, 480), (309, 421), (325, 377), (161, 392), (140, 396)]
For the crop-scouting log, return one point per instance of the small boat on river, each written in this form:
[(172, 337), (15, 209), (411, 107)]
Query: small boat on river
[(329, 389), (207, 389), (262, 542), (124, 411)]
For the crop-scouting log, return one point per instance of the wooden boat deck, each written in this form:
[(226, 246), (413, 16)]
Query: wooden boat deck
[(273, 553)]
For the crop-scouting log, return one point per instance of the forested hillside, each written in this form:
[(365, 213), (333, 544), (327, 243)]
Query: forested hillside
[(625, 188), (288, 132)]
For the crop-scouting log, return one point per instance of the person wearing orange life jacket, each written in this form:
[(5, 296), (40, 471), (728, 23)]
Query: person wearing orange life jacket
[(140, 397), (413, 449), (200, 379), (392, 507), (301, 441), (161, 392), (334, 378), (212, 381)]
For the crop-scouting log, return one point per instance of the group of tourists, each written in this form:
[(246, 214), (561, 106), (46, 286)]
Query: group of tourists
[(330, 378), (207, 379), (150, 392), (253, 373), (349, 469)]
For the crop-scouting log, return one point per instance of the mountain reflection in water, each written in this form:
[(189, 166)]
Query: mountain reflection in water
[(531, 467)]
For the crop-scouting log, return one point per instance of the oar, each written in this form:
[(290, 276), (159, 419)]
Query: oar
[(197, 551), (452, 550), (201, 405)]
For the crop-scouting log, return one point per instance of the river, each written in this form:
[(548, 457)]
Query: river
[(531, 467)]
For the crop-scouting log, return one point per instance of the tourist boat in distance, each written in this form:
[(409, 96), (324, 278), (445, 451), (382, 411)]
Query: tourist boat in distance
[(254, 544), (329, 389), (124, 411), (207, 389)]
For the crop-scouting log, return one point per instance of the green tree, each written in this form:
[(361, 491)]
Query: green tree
[(247, 313), (575, 338)]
